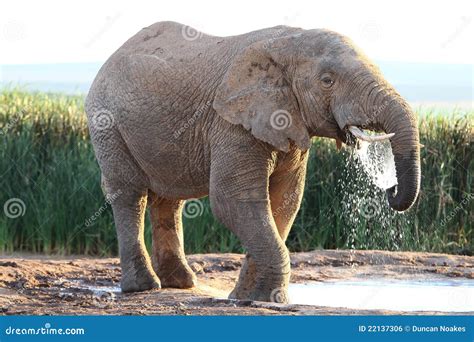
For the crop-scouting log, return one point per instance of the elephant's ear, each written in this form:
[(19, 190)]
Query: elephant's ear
[(255, 94)]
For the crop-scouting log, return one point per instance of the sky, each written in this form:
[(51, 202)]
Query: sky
[(50, 31)]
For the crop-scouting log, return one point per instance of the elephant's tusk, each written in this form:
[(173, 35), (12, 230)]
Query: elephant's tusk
[(358, 133)]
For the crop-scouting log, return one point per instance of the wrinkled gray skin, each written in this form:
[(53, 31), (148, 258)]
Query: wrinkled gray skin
[(174, 118)]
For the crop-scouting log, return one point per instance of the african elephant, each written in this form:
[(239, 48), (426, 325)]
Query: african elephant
[(176, 114)]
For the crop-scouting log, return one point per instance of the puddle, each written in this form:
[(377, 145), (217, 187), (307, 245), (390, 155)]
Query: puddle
[(98, 292), (102, 289), (383, 294), (453, 295)]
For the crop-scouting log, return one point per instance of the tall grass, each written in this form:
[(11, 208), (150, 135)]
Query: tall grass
[(47, 164)]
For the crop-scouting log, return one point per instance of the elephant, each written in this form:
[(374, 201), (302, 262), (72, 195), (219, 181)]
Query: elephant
[(175, 114)]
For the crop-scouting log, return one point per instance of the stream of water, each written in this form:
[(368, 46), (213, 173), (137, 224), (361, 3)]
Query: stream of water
[(369, 221), (378, 163)]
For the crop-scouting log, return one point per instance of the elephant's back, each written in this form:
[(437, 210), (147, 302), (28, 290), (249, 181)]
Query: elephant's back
[(183, 50), (166, 37)]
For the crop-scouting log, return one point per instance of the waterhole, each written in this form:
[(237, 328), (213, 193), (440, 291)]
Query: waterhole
[(383, 294)]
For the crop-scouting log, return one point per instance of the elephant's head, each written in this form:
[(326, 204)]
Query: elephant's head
[(316, 83)]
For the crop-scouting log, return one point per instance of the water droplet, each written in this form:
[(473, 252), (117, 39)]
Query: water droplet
[(370, 222)]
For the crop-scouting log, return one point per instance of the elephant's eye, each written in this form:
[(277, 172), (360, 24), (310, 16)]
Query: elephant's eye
[(327, 81)]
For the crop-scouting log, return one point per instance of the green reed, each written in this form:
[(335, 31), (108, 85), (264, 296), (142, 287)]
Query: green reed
[(47, 166)]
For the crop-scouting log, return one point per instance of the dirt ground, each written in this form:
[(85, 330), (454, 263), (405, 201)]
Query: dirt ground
[(84, 286)]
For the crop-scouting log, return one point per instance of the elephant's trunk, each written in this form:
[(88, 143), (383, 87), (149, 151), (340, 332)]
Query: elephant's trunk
[(400, 119)]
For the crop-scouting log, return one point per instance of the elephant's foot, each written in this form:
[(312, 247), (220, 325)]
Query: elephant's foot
[(266, 289), (246, 283), (275, 295), (141, 278), (174, 272), (240, 292)]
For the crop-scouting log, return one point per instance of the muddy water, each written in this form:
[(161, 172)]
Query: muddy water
[(386, 294)]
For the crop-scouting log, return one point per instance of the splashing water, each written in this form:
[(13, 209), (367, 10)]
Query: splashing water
[(378, 162), (370, 222)]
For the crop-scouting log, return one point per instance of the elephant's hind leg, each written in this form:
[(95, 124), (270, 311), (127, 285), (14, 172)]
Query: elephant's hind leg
[(129, 210), (168, 256), (126, 187)]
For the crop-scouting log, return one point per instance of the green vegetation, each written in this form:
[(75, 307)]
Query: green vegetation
[(51, 182)]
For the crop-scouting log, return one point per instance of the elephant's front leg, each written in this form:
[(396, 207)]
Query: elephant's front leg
[(239, 198), (286, 192)]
